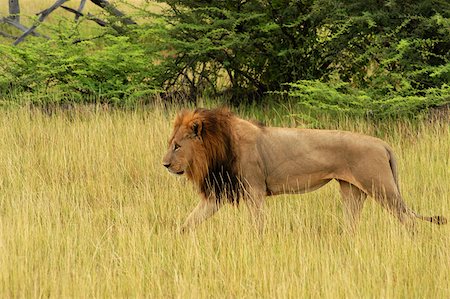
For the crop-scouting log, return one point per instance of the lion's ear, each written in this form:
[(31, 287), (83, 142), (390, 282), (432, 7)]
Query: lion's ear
[(197, 129)]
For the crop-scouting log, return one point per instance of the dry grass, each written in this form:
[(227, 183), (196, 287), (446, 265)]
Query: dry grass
[(87, 210)]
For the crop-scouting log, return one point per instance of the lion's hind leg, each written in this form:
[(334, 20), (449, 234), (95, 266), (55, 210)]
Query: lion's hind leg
[(353, 200), (386, 193), (397, 207)]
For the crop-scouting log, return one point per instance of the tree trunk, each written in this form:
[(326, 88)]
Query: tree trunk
[(14, 10), (43, 14), (80, 9)]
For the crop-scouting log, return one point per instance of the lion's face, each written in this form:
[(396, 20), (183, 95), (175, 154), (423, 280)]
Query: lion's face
[(182, 147)]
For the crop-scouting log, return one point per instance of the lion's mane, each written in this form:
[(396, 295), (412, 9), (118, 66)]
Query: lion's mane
[(214, 166)]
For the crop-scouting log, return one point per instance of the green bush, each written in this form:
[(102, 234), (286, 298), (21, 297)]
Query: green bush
[(368, 54), (374, 58), (343, 99), (108, 69)]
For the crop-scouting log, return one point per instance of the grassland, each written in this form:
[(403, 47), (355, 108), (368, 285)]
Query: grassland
[(87, 210)]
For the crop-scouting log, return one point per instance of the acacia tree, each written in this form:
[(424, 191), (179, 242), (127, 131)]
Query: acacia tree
[(245, 48), (258, 44), (387, 46)]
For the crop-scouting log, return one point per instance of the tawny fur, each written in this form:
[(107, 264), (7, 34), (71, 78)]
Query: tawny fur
[(229, 158)]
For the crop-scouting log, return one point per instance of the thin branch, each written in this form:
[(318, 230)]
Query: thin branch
[(114, 11), (43, 15), (94, 19), (7, 35), (88, 39), (80, 9), (88, 16), (20, 26)]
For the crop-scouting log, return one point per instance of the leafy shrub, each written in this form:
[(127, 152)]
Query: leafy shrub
[(343, 99), (252, 46), (368, 54), (375, 58), (331, 98), (111, 68)]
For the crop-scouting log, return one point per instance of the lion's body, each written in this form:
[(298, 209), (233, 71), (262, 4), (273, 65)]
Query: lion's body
[(299, 160), (226, 156)]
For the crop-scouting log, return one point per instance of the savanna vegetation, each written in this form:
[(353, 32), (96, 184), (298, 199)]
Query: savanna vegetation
[(87, 210), (379, 59)]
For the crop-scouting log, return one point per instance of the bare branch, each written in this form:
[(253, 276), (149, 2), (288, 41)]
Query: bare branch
[(43, 15), (59, 3), (80, 9), (114, 11), (7, 35), (88, 39), (20, 26), (88, 16), (94, 19), (14, 10)]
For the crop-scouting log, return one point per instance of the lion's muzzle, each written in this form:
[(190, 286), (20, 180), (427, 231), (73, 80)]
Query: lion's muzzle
[(168, 166)]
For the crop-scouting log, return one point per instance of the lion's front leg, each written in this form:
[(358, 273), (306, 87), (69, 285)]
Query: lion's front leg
[(256, 207), (254, 199), (205, 209), (255, 193)]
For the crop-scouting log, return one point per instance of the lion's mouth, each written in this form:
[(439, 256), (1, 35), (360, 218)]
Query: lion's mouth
[(176, 172)]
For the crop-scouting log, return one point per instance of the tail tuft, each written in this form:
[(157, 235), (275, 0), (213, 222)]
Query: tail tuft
[(438, 220)]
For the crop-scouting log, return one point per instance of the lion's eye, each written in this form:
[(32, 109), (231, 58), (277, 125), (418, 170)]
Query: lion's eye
[(176, 147)]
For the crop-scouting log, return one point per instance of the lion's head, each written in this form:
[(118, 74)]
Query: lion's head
[(202, 147), (185, 144)]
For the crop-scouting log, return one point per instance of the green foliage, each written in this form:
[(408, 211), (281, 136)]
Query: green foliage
[(369, 55), (341, 98), (107, 69), (255, 46), (378, 58), (330, 98)]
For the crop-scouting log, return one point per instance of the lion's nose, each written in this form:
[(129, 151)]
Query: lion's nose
[(166, 164)]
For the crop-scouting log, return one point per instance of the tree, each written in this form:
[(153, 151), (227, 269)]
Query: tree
[(259, 46), (14, 10)]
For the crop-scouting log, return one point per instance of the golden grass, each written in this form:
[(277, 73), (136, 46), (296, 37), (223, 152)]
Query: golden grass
[(87, 210)]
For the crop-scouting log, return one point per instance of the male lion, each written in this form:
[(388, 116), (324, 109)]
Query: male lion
[(229, 158)]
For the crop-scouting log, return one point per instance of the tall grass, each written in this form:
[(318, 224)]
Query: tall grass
[(87, 210)]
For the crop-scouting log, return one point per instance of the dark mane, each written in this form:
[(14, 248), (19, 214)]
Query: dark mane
[(220, 179)]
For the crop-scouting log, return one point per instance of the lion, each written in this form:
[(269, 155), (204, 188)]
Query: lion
[(230, 159)]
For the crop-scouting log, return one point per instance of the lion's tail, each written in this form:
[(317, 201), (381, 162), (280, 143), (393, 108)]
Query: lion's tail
[(393, 163)]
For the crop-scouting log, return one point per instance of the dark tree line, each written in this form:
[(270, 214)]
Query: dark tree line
[(373, 56), (391, 46)]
